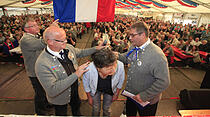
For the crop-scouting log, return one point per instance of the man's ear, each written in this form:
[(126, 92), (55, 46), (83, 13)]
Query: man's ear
[(26, 29), (50, 42), (144, 34)]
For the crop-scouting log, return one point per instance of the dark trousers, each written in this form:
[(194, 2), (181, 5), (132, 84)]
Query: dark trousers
[(61, 110), (132, 108), (79, 35), (40, 100)]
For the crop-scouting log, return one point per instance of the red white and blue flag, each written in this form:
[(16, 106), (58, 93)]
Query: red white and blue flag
[(84, 10)]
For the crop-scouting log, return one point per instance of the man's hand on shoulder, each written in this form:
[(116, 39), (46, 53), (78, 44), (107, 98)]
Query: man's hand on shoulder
[(82, 69)]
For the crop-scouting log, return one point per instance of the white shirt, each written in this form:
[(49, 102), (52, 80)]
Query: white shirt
[(145, 44), (54, 53), (31, 34)]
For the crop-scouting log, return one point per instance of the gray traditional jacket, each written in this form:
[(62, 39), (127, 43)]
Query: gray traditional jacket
[(31, 47), (53, 77), (148, 75)]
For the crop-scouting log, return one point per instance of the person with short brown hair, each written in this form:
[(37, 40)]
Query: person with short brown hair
[(105, 76)]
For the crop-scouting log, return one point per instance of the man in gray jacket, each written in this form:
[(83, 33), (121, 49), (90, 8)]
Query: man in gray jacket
[(58, 72), (148, 73), (31, 47)]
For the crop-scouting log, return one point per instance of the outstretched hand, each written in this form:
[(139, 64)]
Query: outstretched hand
[(100, 46), (55, 23)]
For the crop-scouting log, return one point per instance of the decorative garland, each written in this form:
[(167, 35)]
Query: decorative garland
[(28, 1)]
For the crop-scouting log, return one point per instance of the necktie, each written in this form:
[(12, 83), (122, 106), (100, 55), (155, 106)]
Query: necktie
[(62, 55), (136, 49)]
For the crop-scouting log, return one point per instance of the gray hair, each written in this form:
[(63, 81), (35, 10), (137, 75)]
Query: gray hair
[(28, 19)]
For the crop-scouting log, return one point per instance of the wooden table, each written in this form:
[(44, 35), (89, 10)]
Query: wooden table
[(16, 50), (194, 112)]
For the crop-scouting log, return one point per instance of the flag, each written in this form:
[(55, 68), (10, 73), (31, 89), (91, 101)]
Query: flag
[(84, 10)]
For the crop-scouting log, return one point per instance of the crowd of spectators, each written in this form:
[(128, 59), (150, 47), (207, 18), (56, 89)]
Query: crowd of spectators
[(189, 38), (11, 31)]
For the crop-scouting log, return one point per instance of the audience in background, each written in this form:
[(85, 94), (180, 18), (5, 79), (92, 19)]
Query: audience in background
[(117, 32)]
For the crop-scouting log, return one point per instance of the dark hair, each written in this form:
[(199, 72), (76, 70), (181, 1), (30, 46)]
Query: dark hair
[(141, 27), (103, 58)]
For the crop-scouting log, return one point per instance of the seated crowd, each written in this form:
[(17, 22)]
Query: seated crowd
[(55, 73), (11, 31), (191, 39)]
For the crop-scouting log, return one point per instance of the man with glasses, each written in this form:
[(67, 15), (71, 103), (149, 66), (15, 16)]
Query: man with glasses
[(31, 47), (148, 73), (58, 72)]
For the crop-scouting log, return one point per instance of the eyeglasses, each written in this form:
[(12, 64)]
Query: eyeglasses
[(31, 26), (133, 35), (65, 41)]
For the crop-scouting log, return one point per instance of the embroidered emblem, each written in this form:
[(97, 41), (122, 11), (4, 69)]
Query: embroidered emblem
[(71, 56), (55, 68)]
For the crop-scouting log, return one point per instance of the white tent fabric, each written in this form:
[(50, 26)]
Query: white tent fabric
[(204, 19), (19, 3), (175, 12), (174, 6)]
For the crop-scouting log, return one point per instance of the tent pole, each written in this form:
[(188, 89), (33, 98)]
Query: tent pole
[(163, 17), (199, 19), (172, 19), (27, 11), (4, 11)]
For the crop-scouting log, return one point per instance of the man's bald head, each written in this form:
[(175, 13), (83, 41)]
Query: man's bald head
[(55, 38), (52, 32)]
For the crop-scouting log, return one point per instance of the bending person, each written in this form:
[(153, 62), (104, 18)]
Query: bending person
[(105, 76)]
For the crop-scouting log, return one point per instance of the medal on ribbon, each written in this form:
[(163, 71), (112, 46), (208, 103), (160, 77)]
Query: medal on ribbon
[(139, 63)]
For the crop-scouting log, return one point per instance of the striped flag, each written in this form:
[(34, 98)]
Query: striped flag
[(84, 10)]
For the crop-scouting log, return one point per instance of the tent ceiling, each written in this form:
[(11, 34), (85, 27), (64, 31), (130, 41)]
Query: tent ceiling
[(19, 3), (174, 6)]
